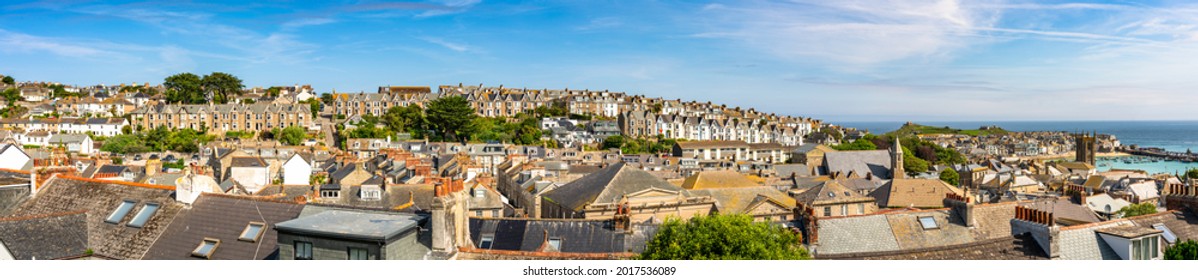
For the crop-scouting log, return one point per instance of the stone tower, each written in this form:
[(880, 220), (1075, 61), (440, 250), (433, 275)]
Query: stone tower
[(1086, 147), (896, 161)]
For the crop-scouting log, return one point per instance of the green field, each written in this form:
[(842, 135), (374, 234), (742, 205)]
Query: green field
[(912, 129)]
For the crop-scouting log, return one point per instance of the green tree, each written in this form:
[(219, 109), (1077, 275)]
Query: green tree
[(273, 91), (861, 144), (223, 86), (314, 106), (292, 135), (326, 98), (404, 118), (124, 143), (1185, 250), (450, 117), (614, 141), (723, 237), (184, 87), (912, 163), (9, 80), (949, 176), (1192, 173), (1137, 209)]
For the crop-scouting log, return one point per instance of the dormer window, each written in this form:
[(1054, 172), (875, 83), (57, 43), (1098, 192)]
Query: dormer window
[(480, 192), (371, 193)]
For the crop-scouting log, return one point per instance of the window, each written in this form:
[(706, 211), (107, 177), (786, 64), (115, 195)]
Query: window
[(478, 213), (120, 212), (1168, 234), (206, 248), (555, 243), (494, 213), (861, 209), (303, 250), (252, 232), (144, 215), (358, 254), (844, 209), (928, 223), (486, 241), (827, 211)]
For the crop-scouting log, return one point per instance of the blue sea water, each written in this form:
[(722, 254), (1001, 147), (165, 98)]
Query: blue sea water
[(1177, 136)]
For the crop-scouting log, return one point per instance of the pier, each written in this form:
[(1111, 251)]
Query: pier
[(1160, 153)]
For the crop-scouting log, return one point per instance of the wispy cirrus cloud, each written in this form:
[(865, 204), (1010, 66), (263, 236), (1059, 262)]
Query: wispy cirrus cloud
[(457, 47)]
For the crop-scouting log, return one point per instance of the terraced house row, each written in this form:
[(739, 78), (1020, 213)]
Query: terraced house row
[(487, 101), (749, 130), (224, 117)]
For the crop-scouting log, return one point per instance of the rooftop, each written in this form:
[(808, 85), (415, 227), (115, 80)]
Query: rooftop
[(352, 225)]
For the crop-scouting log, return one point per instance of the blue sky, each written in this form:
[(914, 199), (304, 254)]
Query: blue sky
[(845, 60)]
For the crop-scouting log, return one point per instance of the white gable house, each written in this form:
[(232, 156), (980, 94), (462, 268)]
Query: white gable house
[(297, 171)]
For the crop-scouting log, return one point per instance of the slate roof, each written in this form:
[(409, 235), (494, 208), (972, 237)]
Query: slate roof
[(712, 144), (858, 234), (607, 186), (788, 170), (248, 162), (1083, 243), (1020, 247), (224, 218), (49, 237), (859, 162), (1064, 209), (918, 193), (577, 236), (830, 192), (717, 179), (345, 224), (421, 196), (100, 198)]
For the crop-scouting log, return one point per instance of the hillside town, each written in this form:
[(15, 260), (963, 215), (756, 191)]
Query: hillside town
[(173, 171)]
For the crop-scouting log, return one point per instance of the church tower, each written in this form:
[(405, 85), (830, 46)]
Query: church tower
[(1085, 147), (896, 161)]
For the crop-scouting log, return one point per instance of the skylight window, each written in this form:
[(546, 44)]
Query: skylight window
[(555, 243), (928, 223), (486, 242), (206, 248), (144, 215), (252, 232), (121, 212), (1169, 236)]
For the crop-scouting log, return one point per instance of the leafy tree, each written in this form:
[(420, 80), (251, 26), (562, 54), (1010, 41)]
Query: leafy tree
[(1185, 250), (273, 91), (949, 176), (314, 106), (248, 101), (1138, 209), (292, 135), (1192, 173), (404, 118), (912, 163), (450, 117), (326, 98), (222, 86), (184, 87), (9, 80), (123, 144), (614, 141), (723, 237), (861, 144)]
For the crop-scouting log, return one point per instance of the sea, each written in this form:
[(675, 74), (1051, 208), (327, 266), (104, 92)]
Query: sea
[(1176, 136)]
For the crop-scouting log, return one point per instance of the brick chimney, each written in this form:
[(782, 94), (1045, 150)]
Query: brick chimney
[(960, 206), (1041, 226)]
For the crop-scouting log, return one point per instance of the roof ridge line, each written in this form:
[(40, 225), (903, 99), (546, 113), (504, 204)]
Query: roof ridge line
[(124, 183), (41, 216)]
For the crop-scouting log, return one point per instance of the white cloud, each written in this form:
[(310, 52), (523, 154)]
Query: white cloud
[(12, 41), (457, 47)]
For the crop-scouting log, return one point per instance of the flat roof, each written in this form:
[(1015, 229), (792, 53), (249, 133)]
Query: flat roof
[(352, 225)]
